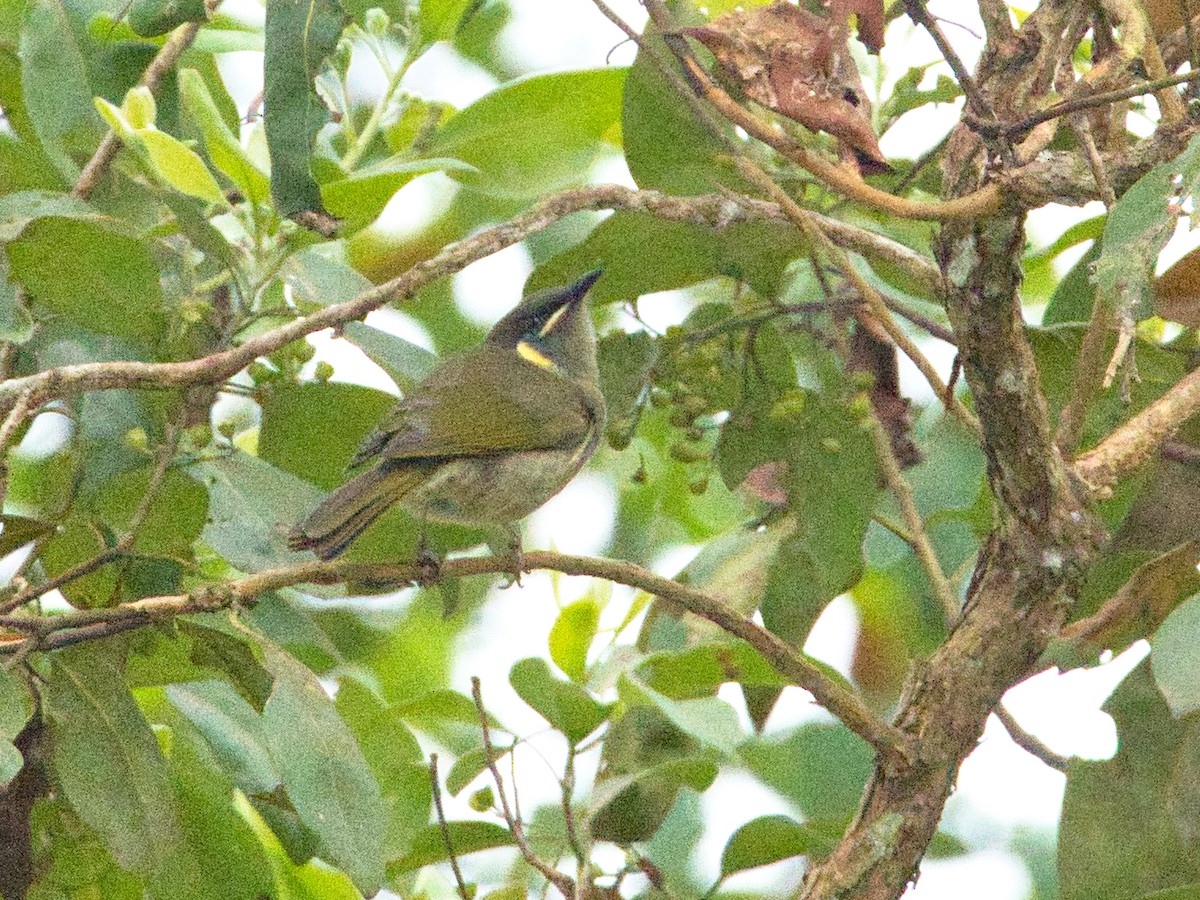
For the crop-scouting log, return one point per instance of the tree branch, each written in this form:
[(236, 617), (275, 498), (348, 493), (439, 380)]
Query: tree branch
[(712, 211), (51, 632)]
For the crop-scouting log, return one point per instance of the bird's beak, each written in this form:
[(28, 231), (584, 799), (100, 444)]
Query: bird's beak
[(570, 298)]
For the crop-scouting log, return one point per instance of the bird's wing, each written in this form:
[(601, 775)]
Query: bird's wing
[(458, 411)]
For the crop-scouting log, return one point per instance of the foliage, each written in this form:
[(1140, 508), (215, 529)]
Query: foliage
[(201, 742)]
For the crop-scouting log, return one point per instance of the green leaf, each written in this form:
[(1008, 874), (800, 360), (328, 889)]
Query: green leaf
[(537, 134), (429, 846), (223, 145), (154, 17), (179, 166), (233, 730), (77, 541), (406, 362), (769, 839), (312, 430), (108, 283), (17, 210), (821, 767), (396, 761), (106, 759), (16, 705), (176, 516), (698, 671), (440, 20), (252, 505), (571, 637), (565, 705), (323, 769), (630, 808), (1174, 658), (300, 34), (643, 253), (360, 197), (709, 720), (1138, 227), (666, 146), (1129, 824), (471, 765), (58, 97), (16, 324)]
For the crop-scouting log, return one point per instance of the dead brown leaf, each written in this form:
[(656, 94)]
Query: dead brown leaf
[(797, 64)]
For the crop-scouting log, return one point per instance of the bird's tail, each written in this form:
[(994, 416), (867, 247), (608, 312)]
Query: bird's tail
[(346, 513)]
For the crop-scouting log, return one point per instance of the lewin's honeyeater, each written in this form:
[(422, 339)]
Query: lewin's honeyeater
[(488, 437)]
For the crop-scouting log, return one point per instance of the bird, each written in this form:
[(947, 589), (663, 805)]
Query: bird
[(490, 435)]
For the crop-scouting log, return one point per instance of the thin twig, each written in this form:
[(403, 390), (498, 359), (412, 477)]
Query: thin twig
[(919, 14), (165, 60), (12, 422), (463, 891), (1029, 742), (918, 537), (562, 881)]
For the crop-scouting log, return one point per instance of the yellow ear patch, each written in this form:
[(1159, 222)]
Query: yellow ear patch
[(532, 354)]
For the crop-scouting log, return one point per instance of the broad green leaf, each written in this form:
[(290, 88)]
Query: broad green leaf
[(821, 767), (1138, 227), (106, 759), (19, 531), (108, 283), (77, 541), (58, 97), (154, 17), (16, 705), (176, 516), (709, 720), (71, 859), (317, 277), (630, 808), (179, 166), (223, 145), (1129, 824), (17, 210), (300, 34), (626, 361), (571, 637), (440, 20), (310, 881), (564, 704), (233, 730), (252, 504), (406, 362), (769, 839), (642, 253), (666, 146), (360, 196), (694, 672), (1175, 649), (312, 430), (907, 95), (534, 135), (396, 761), (327, 779), (471, 765), (429, 846)]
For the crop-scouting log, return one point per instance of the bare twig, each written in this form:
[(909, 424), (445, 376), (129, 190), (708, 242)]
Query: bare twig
[(463, 891), (564, 883), (165, 60), (1126, 448), (919, 14), (1029, 742), (917, 536)]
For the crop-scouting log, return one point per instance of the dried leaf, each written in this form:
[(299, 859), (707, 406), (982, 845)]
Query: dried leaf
[(871, 19), (869, 352), (1177, 291), (797, 64)]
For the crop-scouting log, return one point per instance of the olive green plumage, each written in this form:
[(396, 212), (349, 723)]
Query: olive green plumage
[(492, 434)]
